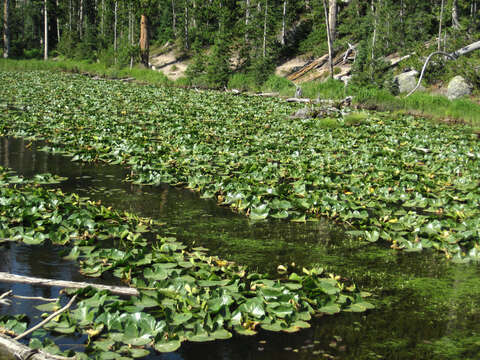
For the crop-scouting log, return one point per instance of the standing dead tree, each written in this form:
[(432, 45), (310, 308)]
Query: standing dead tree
[(452, 56)]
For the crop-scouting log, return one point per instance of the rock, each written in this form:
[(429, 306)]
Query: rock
[(305, 113), (458, 87), (407, 81)]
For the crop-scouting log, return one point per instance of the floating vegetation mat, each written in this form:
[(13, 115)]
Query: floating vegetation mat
[(184, 294), (400, 179)]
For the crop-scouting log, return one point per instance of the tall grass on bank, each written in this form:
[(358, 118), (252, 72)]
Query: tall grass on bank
[(420, 103), (98, 69)]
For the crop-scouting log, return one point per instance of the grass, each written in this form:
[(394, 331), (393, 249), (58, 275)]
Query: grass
[(436, 107), (98, 69)]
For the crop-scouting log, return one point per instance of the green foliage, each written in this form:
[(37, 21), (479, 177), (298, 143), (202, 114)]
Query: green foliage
[(371, 72), (196, 71), (218, 64)]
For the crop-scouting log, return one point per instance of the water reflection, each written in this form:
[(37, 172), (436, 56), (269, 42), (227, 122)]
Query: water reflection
[(427, 307)]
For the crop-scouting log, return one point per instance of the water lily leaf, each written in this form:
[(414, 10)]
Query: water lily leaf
[(259, 212), (372, 236), (221, 334), (138, 353), (48, 307), (253, 307), (330, 309), (103, 345), (242, 331), (181, 318), (169, 346)]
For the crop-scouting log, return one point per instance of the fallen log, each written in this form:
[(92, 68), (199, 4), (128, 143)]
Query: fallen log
[(296, 100), (272, 94), (20, 351), (119, 290), (314, 64)]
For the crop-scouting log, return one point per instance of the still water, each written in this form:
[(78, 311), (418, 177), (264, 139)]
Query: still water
[(427, 308)]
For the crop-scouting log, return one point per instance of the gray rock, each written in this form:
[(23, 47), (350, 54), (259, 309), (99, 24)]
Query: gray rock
[(407, 81), (304, 113), (458, 87)]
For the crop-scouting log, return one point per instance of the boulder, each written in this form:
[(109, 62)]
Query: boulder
[(458, 87), (304, 113), (407, 81)]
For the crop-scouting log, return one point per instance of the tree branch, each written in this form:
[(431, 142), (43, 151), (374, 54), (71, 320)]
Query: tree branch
[(47, 320)]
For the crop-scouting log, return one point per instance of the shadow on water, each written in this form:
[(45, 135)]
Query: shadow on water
[(427, 308)]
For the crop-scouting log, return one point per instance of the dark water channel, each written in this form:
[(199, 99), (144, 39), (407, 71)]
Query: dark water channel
[(427, 308)]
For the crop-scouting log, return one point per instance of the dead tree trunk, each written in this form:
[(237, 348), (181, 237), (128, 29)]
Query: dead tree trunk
[(144, 41), (452, 56), (332, 20), (455, 22), (283, 22), (440, 21), (265, 30), (57, 20), (247, 19), (329, 38), (45, 20), (6, 29), (115, 21)]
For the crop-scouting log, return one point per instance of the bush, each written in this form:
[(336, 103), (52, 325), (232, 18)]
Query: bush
[(32, 53)]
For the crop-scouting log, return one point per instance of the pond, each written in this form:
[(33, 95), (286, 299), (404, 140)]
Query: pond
[(427, 307)]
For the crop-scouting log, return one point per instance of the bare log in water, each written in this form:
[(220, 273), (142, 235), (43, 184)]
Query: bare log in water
[(120, 290), (21, 351)]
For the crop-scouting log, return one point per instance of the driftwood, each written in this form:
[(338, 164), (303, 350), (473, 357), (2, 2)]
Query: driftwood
[(120, 290), (295, 100), (21, 351), (272, 94), (452, 56)]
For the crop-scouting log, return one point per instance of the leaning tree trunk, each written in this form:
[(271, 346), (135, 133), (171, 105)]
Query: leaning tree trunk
[(45, 32), (6, 29), (452, 56), (144, 41), (329, 39)]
